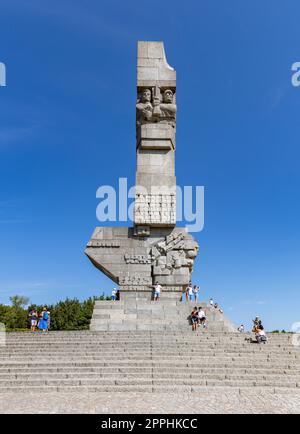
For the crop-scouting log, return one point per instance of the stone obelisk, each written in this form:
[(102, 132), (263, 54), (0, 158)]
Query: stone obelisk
[(154, 249)]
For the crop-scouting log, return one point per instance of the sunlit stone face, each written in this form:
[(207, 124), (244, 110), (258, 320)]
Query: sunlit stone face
[(168, 96), (146, 95)]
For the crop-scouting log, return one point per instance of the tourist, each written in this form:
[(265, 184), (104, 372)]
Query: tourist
[(187, 293), (195, 292), (48, 320), (114, 294), (43, 320), (241, 328), (260, 335), (216, 305), (211, 303), (202, 317), (190, 293), (194, 318), (118, 295), (33, 315), (157, 291), (256, 323)]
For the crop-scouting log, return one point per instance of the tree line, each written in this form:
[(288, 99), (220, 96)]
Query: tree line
[(70, 314)]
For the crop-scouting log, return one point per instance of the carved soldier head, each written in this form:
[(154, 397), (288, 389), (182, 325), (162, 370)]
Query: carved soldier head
[(146, 95), (168, 96)]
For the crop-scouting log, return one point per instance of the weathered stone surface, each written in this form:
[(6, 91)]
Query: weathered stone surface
[(166, 256), (147, 372), (155, 129), (154, 250)]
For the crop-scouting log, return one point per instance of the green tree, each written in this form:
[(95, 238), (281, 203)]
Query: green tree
[(19, 301), (15, 316)]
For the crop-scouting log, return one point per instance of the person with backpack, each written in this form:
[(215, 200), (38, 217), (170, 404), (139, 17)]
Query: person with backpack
[(43, 322)]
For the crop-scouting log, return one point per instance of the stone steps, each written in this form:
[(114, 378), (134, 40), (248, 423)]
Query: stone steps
[(176, 371), (169, 362), (153, 352), (152, 355), (165, 315), (177, 377), (142, 381), (201, 390), (86, 335), (186, 389)]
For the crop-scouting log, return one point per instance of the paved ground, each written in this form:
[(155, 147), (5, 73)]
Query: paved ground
[(102, 403)]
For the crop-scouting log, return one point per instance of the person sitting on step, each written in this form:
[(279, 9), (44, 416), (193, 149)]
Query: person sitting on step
[(256, 323), (260, 335), (202, 317), (194, 318)]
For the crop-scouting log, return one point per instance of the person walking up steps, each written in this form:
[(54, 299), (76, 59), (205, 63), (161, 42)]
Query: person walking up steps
[(157, 291)]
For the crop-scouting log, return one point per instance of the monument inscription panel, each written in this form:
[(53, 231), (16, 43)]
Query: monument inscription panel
[(154, 250)]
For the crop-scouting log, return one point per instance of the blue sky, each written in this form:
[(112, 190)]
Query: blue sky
[(68, 126)]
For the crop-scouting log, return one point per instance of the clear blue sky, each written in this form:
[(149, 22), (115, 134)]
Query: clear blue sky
[(68, 126)]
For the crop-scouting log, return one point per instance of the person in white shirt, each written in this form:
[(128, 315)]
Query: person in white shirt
[(202, 317), (211, 302), (241, 328), (190, 292), (260, 335), (114, 294), (157, 291)]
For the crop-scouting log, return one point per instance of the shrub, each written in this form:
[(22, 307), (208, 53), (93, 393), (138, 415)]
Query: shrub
[(70, 314)]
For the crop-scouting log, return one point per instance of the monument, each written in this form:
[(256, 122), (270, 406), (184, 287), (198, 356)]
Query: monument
[(154, 249)]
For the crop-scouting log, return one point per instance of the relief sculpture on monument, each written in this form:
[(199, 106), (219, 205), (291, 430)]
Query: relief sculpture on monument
[(154, 250)]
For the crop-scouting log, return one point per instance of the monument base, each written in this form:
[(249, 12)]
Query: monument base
[(135, 311), (149, 295), (136, 262)]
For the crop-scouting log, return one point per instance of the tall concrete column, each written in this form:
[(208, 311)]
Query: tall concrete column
[(154, 250)]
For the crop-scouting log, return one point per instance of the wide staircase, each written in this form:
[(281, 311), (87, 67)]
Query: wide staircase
[(163, 315), (148, 361)]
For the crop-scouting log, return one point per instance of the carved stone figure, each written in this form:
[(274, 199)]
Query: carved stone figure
[(144, 107), (168, 108), (172, 253), (154, 250)]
